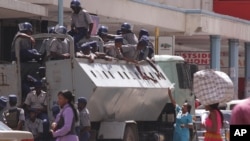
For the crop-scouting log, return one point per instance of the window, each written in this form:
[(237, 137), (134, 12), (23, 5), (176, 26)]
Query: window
[(184, 80)]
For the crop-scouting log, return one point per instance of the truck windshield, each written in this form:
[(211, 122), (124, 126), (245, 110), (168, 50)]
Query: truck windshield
[(183, 77), (185, 74)]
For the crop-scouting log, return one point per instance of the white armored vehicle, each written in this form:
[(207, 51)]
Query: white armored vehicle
[(122, 105)]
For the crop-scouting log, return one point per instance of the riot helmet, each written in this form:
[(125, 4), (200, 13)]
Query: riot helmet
[(75, 4), (24, 27), (143, 32), (102, 30), (126, 27), (51, 29), (60, 29)]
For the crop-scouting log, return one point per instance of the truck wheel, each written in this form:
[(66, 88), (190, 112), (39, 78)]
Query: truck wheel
[(131, 133)]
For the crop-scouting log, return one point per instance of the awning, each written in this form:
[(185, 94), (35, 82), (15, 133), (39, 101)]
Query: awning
[(20, 9)]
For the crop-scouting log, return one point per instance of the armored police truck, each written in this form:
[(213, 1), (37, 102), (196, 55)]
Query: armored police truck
[(123, 106)]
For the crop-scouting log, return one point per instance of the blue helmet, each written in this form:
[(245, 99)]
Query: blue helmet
[(118, 39), (3, 102), (144, 40), (126, 26), (143, 32), (118, 32), (61, 30), (102, 29), (85, 47), (12, 98), (75, 3), (26, 26), (51, 29), (82, 100)]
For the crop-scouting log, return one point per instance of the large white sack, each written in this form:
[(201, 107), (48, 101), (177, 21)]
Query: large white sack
[(212, 87)]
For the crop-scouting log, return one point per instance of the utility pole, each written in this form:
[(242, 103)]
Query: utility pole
[(60, 12)]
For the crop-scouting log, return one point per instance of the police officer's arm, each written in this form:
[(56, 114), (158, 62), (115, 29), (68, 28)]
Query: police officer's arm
[(44, 109), (4, 118), (144, 76), (85, 122), (111, 36), (89, 56), (132, 61), (27, 103), (27, 36), (21, 120), (90, 28), (92, 58), (153, 65), (100, 54), (20, 125), (171, 97), (72, 25), (90, 22), (59, 56), (139, 70)]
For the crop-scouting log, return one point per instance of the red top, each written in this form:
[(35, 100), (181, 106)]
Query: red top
[(241, 112), (208, 122)]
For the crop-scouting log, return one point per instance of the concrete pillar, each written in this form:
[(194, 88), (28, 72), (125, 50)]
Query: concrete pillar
[(233, 63), (60, 12), (215, 46), (247, 69)]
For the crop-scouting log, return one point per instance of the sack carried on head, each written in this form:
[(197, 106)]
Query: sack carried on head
[(212, 87)]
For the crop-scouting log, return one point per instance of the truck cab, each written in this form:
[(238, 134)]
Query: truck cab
[(181, 74), (122, 105)]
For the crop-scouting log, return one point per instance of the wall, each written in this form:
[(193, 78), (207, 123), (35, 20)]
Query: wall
[(236, 8)]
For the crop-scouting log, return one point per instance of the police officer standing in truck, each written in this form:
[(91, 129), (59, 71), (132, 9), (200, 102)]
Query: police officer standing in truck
[(81, 22), (128, 34), (28, 56)]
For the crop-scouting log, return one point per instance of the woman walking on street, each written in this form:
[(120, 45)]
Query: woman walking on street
[(183, 120), (63, 129), (213, 123)]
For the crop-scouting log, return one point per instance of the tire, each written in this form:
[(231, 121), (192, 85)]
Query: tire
[(131, 133)]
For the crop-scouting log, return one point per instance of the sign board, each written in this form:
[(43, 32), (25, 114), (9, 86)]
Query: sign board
[(225, 60), (203, 58), (165, 45), (197, 57)]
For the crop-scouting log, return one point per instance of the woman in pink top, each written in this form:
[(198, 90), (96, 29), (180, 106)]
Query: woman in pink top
[(213, 123)]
